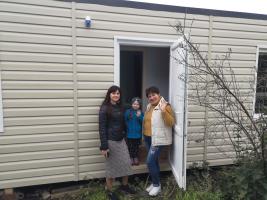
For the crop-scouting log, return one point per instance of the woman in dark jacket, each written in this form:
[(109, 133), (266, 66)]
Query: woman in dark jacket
[(113, 146)]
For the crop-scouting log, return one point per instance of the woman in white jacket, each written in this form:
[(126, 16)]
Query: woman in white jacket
[(157, 130)]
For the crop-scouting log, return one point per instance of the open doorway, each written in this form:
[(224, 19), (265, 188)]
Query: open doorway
[(140, 68), (160, 67)]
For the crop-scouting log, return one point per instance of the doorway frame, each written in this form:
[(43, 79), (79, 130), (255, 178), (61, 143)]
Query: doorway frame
[(134, 41), (148, 42)]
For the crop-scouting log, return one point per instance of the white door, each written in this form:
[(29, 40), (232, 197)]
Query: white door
[(178, 94)]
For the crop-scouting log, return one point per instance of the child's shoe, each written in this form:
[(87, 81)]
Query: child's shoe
[(132, 161), (136, 161)]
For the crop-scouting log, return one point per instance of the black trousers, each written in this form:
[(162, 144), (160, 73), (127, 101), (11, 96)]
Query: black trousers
[(133, 147)]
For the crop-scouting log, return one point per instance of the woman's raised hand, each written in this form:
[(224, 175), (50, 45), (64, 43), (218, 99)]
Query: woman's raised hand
[(163, 106)]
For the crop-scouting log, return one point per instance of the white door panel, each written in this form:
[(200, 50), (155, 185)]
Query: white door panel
[(178, 102)]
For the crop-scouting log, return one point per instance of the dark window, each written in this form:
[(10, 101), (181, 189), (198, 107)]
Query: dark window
[(261, 92)]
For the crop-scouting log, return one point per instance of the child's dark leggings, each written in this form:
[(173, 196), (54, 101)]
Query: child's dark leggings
[(133, 146)]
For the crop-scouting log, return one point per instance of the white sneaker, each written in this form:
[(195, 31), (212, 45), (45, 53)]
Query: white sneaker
[(149, 188), (155, 191)]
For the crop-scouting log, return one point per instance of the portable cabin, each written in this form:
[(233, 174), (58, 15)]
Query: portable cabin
[(57, 59)]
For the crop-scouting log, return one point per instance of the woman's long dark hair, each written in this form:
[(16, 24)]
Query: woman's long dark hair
[(107, 102), (113, 88)]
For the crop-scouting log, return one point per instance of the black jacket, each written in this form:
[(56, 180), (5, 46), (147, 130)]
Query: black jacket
[(111, 124)]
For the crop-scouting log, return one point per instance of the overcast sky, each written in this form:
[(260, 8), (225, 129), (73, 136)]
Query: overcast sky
[(250, 6)]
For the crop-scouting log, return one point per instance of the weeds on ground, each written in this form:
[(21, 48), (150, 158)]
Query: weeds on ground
[(170, 191), (245, 181)]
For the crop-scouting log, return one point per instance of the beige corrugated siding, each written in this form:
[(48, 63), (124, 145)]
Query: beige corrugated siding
[(55, 73), (242, 36), (37, 146)]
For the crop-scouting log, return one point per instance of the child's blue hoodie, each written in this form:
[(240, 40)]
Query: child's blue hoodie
[(133, 123)]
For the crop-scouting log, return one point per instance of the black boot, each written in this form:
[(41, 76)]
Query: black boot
[(126, 189), (112, 196)]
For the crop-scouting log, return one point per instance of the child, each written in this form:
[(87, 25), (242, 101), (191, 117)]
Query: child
[(134, 119)]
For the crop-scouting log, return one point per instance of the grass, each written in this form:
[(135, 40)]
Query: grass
[(199, 189)]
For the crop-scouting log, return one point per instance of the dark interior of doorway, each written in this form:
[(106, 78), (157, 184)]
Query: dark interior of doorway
[(131, 75)]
